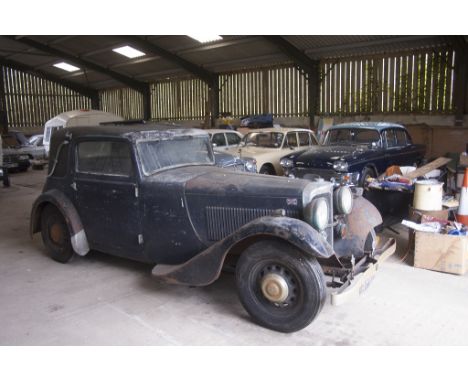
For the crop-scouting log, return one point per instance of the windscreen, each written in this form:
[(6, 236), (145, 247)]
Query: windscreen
[(271, 140), (176, 152), (352, 136)]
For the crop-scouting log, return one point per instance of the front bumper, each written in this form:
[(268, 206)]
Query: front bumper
[(356, 284)]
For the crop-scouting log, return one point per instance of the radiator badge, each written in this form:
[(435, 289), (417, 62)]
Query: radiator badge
[(291, 202)]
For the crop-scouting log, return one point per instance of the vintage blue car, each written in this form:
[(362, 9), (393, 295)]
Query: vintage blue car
[(352, 152), (152, 193)]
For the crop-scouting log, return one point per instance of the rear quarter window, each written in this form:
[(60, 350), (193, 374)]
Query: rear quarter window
[(104, 158)]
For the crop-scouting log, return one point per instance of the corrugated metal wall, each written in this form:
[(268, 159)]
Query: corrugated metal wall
[(127, 103), (281, 91), (180, 99), (31, 101), (412, 83)]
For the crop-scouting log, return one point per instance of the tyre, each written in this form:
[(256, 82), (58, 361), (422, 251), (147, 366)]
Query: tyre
[(280, 287), (267, 169), (55, 235), (366, 173)]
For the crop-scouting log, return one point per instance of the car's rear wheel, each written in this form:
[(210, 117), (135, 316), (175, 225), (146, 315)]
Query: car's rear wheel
[(279, 286), (55, 235), (267, 169)]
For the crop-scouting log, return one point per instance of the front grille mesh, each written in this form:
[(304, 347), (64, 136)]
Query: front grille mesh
[(222, 221)]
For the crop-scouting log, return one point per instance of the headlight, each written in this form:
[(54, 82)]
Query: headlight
[(343, 199), (286, 163), (23, 157), (317, 213), (250, 164), (340, 165)]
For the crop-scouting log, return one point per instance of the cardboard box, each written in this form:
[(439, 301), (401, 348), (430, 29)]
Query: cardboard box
[(439, 252), (415, 214)]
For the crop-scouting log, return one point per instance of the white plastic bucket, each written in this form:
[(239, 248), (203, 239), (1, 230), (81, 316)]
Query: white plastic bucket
[(428, 195)]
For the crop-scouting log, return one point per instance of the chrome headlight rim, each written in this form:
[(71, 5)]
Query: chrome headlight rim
[(343, 200)]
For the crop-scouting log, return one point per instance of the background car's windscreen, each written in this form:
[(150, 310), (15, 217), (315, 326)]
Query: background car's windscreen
[(356, 136), (263, 139), (180, 151)]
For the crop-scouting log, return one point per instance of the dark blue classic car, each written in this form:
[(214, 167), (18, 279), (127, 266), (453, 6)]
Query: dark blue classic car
[(152, 193), (351, 152)]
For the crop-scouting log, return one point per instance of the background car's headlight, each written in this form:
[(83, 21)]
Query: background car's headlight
[(286, 163), (343, 198), (316, 213), (250, 164), (23, 157), (340, 165)]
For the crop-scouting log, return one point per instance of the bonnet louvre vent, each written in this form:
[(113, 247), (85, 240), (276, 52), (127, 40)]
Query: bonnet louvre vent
[(222, 221)]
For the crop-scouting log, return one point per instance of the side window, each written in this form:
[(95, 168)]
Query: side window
[(233, 139), (400, 137), (409, 141), (390, 138), (60, 169), (219, 139), (304, 138), (291, 139), (104, 157)]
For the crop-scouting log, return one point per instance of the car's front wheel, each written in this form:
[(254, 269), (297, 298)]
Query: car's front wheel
[(55, 234), (267, 169), (279, 286)]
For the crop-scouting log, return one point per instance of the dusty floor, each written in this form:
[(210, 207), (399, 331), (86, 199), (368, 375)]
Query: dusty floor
[(103, 300)]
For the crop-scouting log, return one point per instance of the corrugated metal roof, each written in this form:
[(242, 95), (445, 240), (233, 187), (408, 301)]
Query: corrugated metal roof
[(231, 53)]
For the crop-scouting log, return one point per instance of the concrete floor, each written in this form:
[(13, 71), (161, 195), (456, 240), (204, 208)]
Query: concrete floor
[(101, 300)]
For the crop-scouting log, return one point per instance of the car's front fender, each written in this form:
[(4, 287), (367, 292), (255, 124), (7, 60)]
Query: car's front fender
[(57, 198), (205, 268)]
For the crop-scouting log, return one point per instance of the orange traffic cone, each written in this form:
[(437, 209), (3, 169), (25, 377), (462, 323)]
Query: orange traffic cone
[(462, 215)]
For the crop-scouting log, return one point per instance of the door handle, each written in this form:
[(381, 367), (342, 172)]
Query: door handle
[(73, 185)]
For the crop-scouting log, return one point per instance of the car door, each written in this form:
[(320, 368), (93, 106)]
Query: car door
[(218, 141), (106, 196), (233, 139)]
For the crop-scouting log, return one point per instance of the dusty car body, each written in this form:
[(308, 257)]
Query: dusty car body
[(352, 152), (16, 143), (152, 193), (13, 159), (267, 146)]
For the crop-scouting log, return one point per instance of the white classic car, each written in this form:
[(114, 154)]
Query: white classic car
[(222, 139), (267, 146)]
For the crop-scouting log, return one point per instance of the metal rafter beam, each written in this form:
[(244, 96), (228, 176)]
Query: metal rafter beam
[(309, 66), (84, 90), (300, 58), (123, 79), (149, 47)]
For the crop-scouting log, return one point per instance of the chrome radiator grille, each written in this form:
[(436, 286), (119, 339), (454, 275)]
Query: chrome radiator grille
[(222, 221)]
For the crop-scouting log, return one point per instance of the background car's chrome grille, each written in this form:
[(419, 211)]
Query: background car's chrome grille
[(323, 173), (222, 221)]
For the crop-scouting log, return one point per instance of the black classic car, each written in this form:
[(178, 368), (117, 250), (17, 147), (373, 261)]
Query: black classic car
[(152, 193), (351, 152)]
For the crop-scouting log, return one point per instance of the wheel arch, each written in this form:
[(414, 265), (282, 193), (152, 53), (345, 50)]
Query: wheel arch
[(60, 201), (205, 268)]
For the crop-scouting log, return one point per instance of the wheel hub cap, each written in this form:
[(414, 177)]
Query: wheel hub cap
[(274, 287), (56, 233)]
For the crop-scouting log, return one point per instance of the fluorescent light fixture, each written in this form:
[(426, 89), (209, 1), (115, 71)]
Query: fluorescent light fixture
[(128, 51), (66, 67), (203, 38)]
